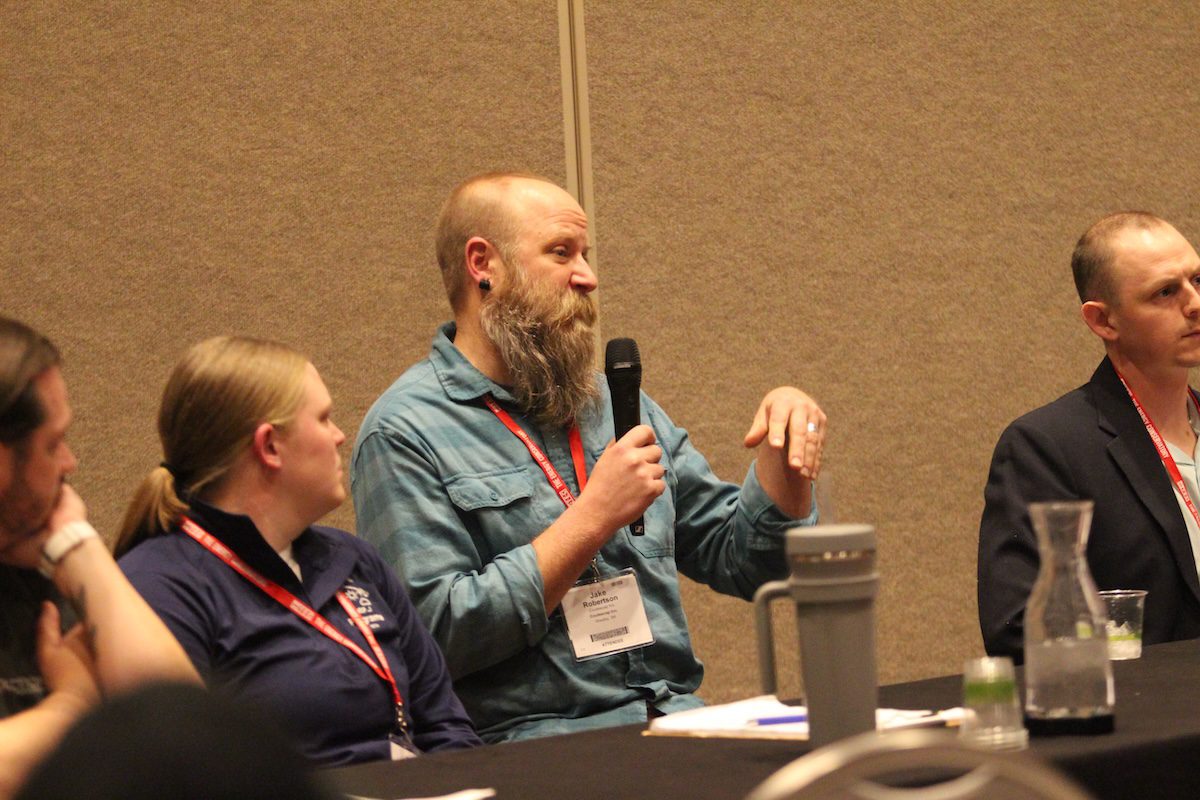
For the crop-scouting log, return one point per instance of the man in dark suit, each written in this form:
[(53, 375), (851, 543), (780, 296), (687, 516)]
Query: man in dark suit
[(1139, 282)]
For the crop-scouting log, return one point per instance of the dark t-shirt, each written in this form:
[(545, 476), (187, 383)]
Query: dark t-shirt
[(21, 594)]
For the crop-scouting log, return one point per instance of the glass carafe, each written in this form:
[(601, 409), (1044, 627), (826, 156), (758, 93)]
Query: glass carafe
[(1068, 678)]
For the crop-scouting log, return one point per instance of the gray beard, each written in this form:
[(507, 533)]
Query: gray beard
[(546, 339)]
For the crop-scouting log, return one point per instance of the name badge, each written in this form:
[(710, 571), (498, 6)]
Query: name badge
[(402, 747), (606, 616)]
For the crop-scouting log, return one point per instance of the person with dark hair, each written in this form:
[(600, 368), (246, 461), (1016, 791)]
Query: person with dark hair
[(54, 565), (177, 742), (487, 476), (305, 621), (1127, 440)]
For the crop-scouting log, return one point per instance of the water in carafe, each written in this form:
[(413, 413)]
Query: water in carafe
[(1068, 677)]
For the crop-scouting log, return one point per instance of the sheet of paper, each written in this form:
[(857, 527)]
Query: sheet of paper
[(737, 720), (465, 794)]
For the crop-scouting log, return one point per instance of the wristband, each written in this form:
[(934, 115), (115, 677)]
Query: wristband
[(63, 541)]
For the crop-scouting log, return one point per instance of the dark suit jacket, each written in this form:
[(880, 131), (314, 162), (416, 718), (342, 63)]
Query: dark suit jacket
[(1088, 444)]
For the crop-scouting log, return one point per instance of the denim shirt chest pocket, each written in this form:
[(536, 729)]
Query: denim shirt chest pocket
[(498, 508), (659, 539)]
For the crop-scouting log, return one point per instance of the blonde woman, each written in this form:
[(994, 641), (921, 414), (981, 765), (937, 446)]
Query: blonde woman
[(307, 621)]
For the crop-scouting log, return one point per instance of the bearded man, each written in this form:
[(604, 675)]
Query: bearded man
[(488, 477), (50, 556)]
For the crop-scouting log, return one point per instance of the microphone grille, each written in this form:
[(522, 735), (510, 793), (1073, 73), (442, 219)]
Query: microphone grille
[(621, 354)]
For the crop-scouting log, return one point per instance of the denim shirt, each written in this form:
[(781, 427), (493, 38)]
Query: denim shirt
[(453, 500)]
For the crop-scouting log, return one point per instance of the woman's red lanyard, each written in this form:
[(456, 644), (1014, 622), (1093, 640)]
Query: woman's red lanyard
[(308, 613), (556, 482), (1161, 446)]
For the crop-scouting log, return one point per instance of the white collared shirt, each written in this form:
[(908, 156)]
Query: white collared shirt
[(290, 559), (1189, 470)]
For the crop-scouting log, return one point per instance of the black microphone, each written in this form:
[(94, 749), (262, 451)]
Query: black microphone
[(623, 368)]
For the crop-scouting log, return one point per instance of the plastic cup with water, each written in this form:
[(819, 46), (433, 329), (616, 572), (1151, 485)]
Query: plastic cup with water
[(992, 716), (1126, 608)]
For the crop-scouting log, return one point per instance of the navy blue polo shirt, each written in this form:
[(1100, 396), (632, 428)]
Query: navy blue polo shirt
[(337, 710)]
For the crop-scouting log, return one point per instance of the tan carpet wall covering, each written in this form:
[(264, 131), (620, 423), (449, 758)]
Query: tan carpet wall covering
[(875, 202)]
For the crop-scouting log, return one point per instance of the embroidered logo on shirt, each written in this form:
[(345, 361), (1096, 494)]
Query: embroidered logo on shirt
[(362, 599)]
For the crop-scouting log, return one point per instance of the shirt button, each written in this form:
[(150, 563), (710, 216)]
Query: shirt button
[(495, 495)]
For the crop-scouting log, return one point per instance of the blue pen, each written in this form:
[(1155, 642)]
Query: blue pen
[(780, 720)]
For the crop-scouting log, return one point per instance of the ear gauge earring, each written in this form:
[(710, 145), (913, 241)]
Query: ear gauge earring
[(485, 285)]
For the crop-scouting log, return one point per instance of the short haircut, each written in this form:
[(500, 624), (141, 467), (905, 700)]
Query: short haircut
[(476, 207), (1091, 263), (24, 355), (177, 741)]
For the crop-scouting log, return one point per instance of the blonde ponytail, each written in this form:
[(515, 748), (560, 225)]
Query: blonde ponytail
[(155, 509), (218, 393)]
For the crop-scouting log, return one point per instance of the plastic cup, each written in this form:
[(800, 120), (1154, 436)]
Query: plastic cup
[(1125, 611), (993, 717)]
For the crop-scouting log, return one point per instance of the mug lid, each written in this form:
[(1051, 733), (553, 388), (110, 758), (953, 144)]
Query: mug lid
[(818, 539)]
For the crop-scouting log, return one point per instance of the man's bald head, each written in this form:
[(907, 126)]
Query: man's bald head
[(1092, 261), (479, 206)]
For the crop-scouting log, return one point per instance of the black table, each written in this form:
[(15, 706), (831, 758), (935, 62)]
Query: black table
[(1154, 753)]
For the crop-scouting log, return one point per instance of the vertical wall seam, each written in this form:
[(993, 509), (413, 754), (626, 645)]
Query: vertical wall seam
[(577, 134)]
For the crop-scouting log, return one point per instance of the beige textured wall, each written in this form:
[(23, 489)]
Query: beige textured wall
[(877, 202), (176, 171), (873, 201)]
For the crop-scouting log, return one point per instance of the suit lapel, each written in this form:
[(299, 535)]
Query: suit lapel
[(1137, 459)]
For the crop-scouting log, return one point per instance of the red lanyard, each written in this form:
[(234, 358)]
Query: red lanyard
[(306, 612), (1161, 446), (556, 482)]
